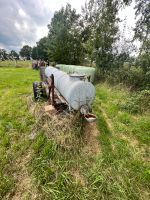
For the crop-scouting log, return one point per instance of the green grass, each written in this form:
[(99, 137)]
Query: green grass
[(59, 163), (15, 122), (17, 64)]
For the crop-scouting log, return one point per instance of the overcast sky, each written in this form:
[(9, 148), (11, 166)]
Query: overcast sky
[(25, 21)]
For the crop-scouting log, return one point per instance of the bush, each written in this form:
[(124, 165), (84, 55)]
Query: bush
[(138, 102), (133, 77)]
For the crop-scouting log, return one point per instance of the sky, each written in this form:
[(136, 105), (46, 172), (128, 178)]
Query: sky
[(25, 21)]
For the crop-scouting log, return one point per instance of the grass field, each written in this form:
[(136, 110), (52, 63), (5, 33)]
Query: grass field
[(17, 64), (63, 157)]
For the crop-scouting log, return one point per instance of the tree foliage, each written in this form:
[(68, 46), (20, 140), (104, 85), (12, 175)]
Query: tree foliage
[(142, 30), (64, 41), (142, 33), (13, 55), (26, 51), (42, 47), (40, 51), (143, 59), (34, 53), (3, 54), (100, 30)]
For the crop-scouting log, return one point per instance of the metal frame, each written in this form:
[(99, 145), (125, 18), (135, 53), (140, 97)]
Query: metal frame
[(53, 95)]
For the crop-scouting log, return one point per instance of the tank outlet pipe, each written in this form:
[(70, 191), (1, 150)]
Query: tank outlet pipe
[(89, 117)]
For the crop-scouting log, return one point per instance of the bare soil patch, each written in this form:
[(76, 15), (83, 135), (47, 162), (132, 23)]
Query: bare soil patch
[(91, 142)]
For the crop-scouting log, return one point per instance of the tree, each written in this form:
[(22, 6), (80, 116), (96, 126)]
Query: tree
[(34, 53), (143, 59), (142, 33), (100, 32), (26, 51), (13, 55), (64, 39), (42, 48), (142, 30), (3, 54)]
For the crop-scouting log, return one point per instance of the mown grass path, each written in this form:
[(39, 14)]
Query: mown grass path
[(68, 158)]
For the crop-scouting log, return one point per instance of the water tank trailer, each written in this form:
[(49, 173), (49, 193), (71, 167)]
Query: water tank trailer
[(73, 91)]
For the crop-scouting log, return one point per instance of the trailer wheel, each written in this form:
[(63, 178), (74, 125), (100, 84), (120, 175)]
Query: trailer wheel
[(37, 90)]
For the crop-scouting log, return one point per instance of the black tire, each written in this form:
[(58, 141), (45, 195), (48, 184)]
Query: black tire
[(37, 90)]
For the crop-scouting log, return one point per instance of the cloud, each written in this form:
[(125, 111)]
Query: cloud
[(20, 22), (25, 21)]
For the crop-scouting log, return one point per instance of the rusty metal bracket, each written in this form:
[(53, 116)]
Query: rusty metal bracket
[(51, 87)]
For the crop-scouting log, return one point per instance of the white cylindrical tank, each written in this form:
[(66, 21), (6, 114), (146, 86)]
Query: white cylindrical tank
[(75, 91)]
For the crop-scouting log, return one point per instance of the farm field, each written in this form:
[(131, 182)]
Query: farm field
[(64, 158)]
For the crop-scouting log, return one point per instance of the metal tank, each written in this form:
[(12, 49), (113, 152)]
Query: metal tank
[(76, 92)]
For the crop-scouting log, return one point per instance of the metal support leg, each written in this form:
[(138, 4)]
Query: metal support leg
[(52, 89)]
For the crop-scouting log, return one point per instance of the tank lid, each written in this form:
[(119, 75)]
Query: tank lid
[(77, 76)]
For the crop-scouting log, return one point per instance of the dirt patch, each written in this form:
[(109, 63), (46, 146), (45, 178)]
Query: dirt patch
[(79, 178), (91, 142)]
